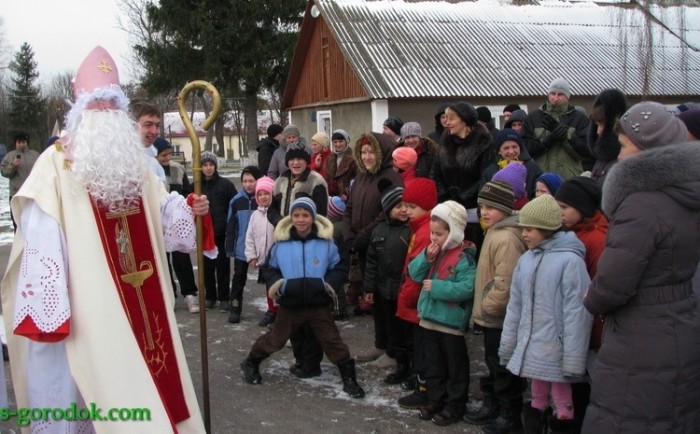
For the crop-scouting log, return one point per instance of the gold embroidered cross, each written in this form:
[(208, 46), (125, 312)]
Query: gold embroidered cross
[(104, 67)]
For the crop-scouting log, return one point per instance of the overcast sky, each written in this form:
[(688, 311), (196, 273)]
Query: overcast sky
[(62, 32)]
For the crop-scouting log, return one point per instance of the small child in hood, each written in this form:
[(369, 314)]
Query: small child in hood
[(447, 270), (546, 329), (260, 237), (303, 270)]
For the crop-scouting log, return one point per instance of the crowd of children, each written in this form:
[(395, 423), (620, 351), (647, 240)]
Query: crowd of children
[(425, 283)]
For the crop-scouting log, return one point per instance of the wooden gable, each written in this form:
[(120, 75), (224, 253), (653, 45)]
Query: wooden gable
[(319, 72)]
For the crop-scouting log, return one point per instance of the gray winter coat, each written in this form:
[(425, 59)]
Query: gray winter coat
[(647, 377), (546, 329)]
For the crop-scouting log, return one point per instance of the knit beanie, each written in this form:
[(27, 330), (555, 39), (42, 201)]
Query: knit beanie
[(391, 194), (273, 130), (551, 180), (560, 85), (421, 192), (404, 157), (209, 157), (161, 145), (304, 202), (581, 193), (507, 134), (466, 112), (517, 115), (410, 129), (341, 135), (289, 130), (336, 207), (691, 119), (455, 215), (650, 125), (253, 171), (484, 114), (394, 123), (265, 184), (515, 174), (322, 139), (511, 108), (542, 213), (297, 153), (499, 195)]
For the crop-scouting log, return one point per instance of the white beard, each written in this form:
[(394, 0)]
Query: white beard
[(108, 158)]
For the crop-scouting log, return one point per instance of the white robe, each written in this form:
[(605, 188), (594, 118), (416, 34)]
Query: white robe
[(101, 352)]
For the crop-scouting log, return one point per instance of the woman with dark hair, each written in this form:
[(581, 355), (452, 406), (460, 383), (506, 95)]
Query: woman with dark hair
[(608, 106), (463, 156), (647, 374)]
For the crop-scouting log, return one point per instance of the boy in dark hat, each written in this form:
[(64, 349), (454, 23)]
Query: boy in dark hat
[(268, 145), (386, 256), (17, 164), (392, 127), (217, 271), (503, 246)]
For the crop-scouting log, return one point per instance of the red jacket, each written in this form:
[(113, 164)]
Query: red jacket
[(322, 167), (409, 291), (592, 234)]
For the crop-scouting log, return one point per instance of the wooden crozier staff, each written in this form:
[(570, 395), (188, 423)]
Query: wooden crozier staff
[(197, 175)]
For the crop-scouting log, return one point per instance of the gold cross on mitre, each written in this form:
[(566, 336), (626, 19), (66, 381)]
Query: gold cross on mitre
[(104, 67)]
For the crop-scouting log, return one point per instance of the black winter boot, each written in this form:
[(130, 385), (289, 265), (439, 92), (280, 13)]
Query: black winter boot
[(403, 369), (419, 397), (251, 368), (563, 426), (487, 413), (234, 317), (534, 420), (507, 422), (350, 386)]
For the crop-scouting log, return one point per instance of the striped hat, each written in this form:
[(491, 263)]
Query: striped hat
[(306, 203), (499, 195), (391, 194), (336, 207)]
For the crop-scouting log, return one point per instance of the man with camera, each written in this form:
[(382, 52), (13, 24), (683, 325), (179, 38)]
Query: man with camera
[(18, 163)]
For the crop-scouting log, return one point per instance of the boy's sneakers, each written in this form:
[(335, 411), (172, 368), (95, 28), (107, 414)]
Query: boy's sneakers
[(267, 319), (209, 304), (224, 306), (192, 303)]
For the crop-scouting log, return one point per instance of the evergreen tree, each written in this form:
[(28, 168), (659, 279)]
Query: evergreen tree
[(27, 108), (241, 47)]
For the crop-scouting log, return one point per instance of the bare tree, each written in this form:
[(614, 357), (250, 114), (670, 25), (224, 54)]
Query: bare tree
[(134, 21)]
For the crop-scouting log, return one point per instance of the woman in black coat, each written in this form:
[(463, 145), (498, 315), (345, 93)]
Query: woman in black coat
[(608, 106), (647, 375)]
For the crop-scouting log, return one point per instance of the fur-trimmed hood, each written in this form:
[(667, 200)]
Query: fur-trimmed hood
[(671, 169), (324, 228), (383, 146)]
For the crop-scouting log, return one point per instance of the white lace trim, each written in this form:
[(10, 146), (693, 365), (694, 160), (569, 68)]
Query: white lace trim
[(179, 230), (42, 289)]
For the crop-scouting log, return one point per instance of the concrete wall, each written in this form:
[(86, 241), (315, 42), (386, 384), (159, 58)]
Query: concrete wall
[(355, 118)]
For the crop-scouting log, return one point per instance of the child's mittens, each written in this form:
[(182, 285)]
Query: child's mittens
[(274, 291)]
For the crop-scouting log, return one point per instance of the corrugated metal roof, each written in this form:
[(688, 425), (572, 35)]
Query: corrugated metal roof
[(489, 48)]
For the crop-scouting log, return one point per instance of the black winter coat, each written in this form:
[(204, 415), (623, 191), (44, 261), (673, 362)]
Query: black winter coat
[(386, 256), (266, 148), (219, 192), (605, 148), (647, 376), (460, 164)]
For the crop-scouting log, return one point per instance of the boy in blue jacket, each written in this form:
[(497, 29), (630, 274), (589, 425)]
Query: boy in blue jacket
[(447, 271), (303, 271), (240, 208)]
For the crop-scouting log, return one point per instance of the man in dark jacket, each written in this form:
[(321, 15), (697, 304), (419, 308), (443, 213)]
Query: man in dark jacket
[(219, 191), (266, 147), (555, 134)]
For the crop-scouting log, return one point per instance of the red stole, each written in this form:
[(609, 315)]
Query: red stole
[(130, 256)]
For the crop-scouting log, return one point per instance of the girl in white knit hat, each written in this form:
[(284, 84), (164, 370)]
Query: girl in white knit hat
[(447, 269)]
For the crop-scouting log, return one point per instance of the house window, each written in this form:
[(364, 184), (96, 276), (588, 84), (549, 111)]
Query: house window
[(324, 122)]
